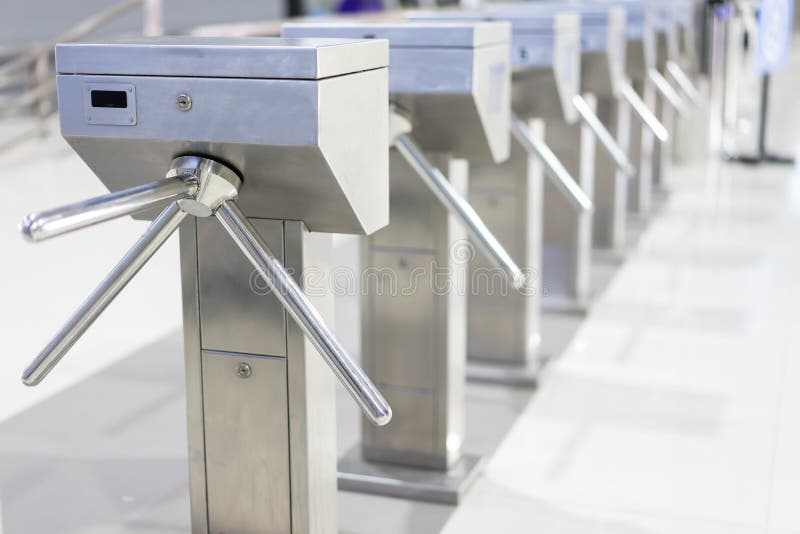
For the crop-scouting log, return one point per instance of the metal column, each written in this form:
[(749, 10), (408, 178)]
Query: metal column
[(258, 396), (567, 232), (414, 343), (505, 329), (610, 183)]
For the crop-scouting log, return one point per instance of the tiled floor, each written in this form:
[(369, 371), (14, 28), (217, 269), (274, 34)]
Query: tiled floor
[(675, 407), (41, 284)]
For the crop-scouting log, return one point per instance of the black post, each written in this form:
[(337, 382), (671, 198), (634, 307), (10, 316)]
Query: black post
[(762, 154), (294, 8), (762, 122)]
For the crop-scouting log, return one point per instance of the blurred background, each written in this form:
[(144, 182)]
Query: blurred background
[(672, 406)]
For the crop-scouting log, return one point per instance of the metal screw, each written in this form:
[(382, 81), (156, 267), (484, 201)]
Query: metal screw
[(184, 102), (244, 370)]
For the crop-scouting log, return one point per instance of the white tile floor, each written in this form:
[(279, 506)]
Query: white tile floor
[(41, 284), (675, 408)]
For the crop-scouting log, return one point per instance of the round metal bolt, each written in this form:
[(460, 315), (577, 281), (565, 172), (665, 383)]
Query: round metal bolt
[(243, 370), (184, 102)]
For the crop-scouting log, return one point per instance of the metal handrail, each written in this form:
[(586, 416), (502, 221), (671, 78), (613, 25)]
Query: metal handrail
[(30, 97), (78, 31), (35, 63)]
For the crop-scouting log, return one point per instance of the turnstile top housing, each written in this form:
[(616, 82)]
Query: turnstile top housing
[(688, 16), (603, 43), (305, 121), (545, 54), (641, 34), (685, 12), (604, 47), (665, 23), (453, 80)]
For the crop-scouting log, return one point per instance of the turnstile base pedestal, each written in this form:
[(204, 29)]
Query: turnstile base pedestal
[(564, 304), (609, 256), (525, 375), (445, 487)]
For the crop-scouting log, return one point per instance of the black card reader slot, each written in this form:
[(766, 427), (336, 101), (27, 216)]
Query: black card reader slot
[(109, 99)]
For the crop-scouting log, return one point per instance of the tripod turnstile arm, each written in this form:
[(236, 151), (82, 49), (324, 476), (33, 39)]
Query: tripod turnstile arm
[(604, 136), (667, 91), (559, 175), (209, 189), (644, 113), (147, 245), (461, 208), (289, 293), (57, 221), (685, 83)]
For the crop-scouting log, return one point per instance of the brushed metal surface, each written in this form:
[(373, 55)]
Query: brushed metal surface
[(505, 328), (299, 307), (611, 185), (451, 78), (603, 66), (641, 47), (406, 34), (448, 487), (260, 449), (82, 214), (229, 323), (605, 138), (567, 233), (642, 153), (312, 392), (247, 445), (547, 91), (414, 324), (662, 152), (322, 159), (667, 37), (227, 57), (193, 362), (459, 206)]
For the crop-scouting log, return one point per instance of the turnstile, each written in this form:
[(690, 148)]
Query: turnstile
[(671, 103), (603, 76), (449, 84), (641, 94), (546, 87), (504, 333), (279, 141), (685, 73)]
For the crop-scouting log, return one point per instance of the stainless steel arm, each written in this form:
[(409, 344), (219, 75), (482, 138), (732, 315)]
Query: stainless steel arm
[(147, 245), (604, 136), (685, 83), (358, 384), (57, 221), (667, 91), (556, 170), (644, 113), (458, 205)]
